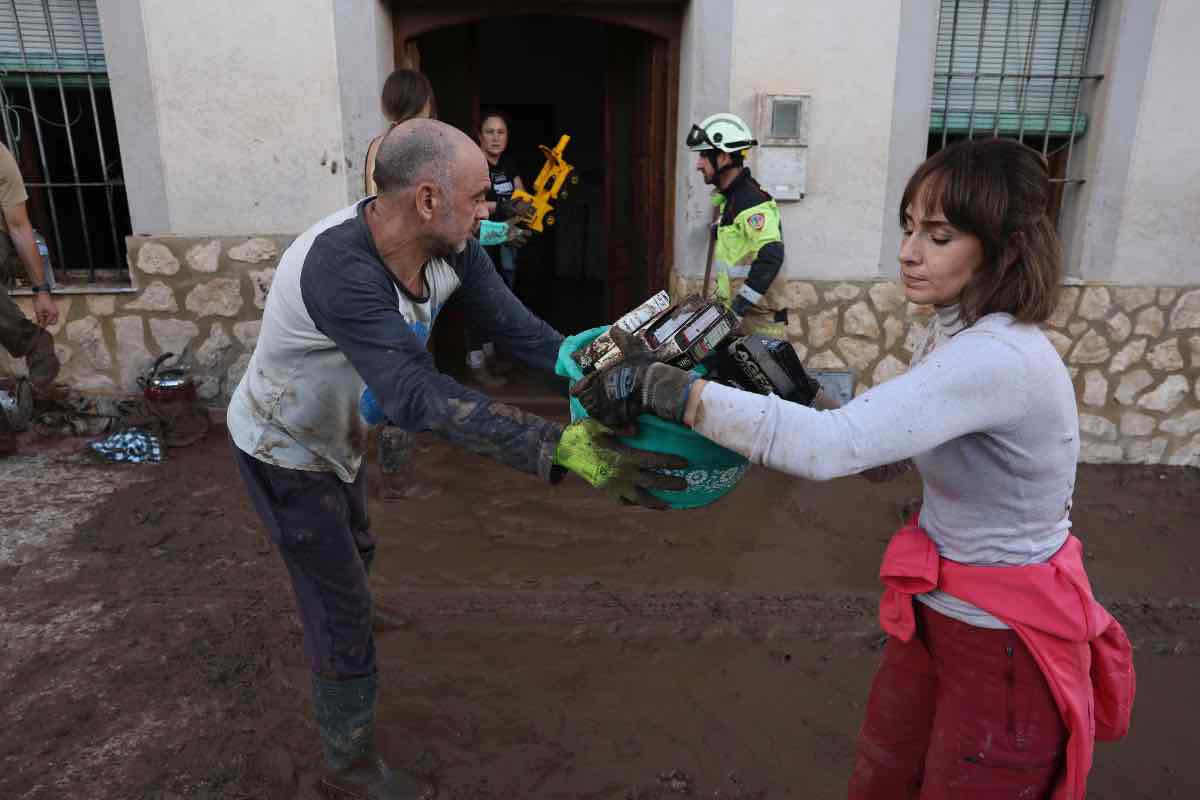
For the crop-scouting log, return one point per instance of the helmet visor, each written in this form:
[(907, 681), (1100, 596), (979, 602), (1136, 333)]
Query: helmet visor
[(697, 138)]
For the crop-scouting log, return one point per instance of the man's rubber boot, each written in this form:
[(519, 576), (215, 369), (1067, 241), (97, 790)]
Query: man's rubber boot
[(8, 437), (345, 712), (41, 361), (485, 377)]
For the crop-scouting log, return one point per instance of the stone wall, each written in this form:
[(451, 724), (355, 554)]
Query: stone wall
[(1133, 353), (200, 295)]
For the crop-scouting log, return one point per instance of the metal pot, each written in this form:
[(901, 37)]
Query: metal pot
[(167, 384)]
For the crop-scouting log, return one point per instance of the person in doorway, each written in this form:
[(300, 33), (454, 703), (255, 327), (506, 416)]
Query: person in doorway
[(407, 94), (996, 680), (342, 349), (749, 236), (485, 367), (21, 337)]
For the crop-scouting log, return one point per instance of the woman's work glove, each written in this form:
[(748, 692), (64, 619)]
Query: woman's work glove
[(592, 452), (637, 384)]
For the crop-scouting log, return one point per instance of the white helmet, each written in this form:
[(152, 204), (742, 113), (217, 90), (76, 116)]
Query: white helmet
[(724, 132)]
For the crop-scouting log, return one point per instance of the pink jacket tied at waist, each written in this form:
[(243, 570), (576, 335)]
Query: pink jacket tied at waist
[(1083, 652)]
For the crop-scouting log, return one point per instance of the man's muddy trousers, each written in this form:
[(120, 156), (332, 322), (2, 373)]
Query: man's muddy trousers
[(321, 528)]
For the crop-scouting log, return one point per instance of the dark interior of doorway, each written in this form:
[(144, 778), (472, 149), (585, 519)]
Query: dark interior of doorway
[(550, 75)]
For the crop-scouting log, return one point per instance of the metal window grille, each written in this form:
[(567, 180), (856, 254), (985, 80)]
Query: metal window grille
[(1014, 68), (57, 119)]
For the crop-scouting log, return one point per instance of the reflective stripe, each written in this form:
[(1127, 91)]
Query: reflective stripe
[(749, 294), (742, 271)]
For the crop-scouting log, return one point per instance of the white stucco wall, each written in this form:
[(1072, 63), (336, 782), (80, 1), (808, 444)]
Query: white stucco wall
[(844, 55), (1159, 235), (241, 117)]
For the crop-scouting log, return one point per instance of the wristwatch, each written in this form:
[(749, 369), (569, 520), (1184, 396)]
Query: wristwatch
[(41, 287)]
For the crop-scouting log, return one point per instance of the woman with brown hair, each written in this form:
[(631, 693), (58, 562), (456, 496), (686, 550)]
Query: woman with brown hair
[(1000, 668), (406, 95)]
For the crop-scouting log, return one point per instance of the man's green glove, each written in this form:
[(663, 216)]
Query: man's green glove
[(592, 452), (492, 233)]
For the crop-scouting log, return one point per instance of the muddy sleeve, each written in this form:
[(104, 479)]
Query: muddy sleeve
[(499, 316), (951, 393), (356, 309)]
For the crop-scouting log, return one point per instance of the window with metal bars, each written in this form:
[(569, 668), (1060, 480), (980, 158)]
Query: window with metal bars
[(1014, 68), (56, 117)]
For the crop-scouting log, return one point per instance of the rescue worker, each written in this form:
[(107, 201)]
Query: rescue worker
[(342, 349), (749, 246)]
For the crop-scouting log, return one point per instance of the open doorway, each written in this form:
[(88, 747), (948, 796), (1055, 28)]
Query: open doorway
[(611, 87)]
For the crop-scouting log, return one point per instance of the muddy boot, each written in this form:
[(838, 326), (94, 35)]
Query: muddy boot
[(41, 361), (478, 372), (345, 713), (8, 437)]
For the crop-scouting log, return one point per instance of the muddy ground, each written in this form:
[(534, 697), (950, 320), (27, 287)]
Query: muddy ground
[(545, 644)]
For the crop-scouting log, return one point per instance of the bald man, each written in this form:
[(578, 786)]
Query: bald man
[(341, 350)]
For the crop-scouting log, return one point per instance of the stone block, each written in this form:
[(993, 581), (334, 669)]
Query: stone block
[(155, 258), (915, 336), (1131, 298), (859, 320), (254, 251), (210, 356), (1186, 455), (1097, 427), (261, 281), (132, 356), (101, 305), (1064, 309), (1167, 296), (822, 327), (893, 329), (1166, 396), (155, 297), (62, 302), (1183, 425), (247, 332), (1194, 350), (208, 387), (1077, 327), (825, 360), (1132, 383), (1061, 342), (1091, 452), (1166, 356), (220, 297), (1146, 451), (887, 369), (1095, 389), (173, 335), (88, 335), (1135, 424), (1118, 326), (236, 371), (887, 296), (1127, 356), (204, 257), (859, 353), (1150, 322), (1092, 348), (1186, 314), (843, 292), (1096, 303), (801, 294)]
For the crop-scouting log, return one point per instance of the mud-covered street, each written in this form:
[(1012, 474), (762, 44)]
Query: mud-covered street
[(536, 642)]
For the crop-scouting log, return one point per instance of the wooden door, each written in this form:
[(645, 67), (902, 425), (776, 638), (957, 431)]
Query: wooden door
[(637, 152)]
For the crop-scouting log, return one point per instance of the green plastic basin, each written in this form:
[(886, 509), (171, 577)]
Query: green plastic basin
[(713, 470)]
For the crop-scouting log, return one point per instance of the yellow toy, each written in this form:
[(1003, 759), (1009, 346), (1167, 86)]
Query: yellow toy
[(547, 187)]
